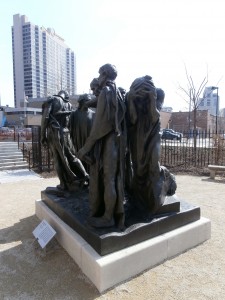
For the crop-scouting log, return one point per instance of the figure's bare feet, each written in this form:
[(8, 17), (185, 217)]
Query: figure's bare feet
[(61, 187)]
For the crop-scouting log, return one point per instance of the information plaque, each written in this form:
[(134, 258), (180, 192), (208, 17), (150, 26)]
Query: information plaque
[(44, 233)]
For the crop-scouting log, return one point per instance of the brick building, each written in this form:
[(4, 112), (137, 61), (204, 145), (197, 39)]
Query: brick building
[(184, 121), (165, 118)]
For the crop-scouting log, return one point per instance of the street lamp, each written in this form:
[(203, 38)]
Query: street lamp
[(217, 102), (25, 108)]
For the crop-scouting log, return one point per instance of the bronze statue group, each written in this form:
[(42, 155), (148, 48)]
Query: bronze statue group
[(109, 145)]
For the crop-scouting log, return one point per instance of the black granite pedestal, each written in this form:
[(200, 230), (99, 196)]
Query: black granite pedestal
[(139, 226)]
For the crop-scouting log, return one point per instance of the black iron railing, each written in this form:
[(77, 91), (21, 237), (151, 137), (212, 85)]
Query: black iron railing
[(192, 151)]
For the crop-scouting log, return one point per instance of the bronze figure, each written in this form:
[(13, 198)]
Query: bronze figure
[(54, 132)]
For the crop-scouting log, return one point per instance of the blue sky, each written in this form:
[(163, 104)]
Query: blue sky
[(139, 37)]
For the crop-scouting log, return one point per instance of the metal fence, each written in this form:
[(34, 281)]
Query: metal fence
[(15, 134), (196, 151), (38, 157), (191, 152)]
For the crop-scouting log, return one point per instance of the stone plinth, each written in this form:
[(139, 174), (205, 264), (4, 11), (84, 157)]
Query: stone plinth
[(111, 269)]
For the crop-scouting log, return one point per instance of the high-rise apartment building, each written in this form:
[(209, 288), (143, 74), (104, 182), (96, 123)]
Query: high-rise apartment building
[(210, 100), (42, 63)]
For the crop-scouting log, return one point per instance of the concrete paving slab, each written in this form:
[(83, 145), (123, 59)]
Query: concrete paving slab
[(18, 175)]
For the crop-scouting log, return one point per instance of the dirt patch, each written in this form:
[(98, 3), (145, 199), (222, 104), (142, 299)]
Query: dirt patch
[(190, 171), (46, 174)]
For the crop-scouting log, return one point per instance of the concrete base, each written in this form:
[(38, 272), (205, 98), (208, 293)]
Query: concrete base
[(110, 270)]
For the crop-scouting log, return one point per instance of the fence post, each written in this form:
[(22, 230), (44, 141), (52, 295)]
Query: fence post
[(18, 141), (39, 150), (14, 133), (23, 150), (29, 159), (49, 160)]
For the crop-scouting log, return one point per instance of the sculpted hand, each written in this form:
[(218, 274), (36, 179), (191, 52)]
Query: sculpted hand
[(81, 153)]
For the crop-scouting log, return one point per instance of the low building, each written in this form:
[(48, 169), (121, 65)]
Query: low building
[(21, 117), (29, 114), (184, 121), (2, 117)]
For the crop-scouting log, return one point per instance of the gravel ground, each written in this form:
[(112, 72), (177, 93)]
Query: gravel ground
[(28, 272)]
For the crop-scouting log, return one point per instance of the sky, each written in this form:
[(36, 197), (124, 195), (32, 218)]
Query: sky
[(140, 37)]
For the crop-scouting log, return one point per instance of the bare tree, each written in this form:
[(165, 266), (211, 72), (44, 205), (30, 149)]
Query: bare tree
[(192, 96)]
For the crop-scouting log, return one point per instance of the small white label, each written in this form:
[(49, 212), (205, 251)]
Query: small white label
[(44, 233)]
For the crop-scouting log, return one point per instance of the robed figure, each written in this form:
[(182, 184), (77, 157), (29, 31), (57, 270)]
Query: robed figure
[(55, 133), (150, 183), (107, 142)]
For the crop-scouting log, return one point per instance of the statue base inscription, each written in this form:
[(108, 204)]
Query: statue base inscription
[(139, 226)]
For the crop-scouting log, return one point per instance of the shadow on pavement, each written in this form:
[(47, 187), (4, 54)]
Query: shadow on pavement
[(30, 272)]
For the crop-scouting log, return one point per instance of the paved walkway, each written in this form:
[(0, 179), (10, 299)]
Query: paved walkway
[(18, 175), (28, 272)]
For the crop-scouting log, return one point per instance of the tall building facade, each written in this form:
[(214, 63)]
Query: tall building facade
[(42, 63), (210, 101)]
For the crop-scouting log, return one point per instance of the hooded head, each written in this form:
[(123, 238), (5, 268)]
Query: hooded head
[(107, 72), (64, 95)]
